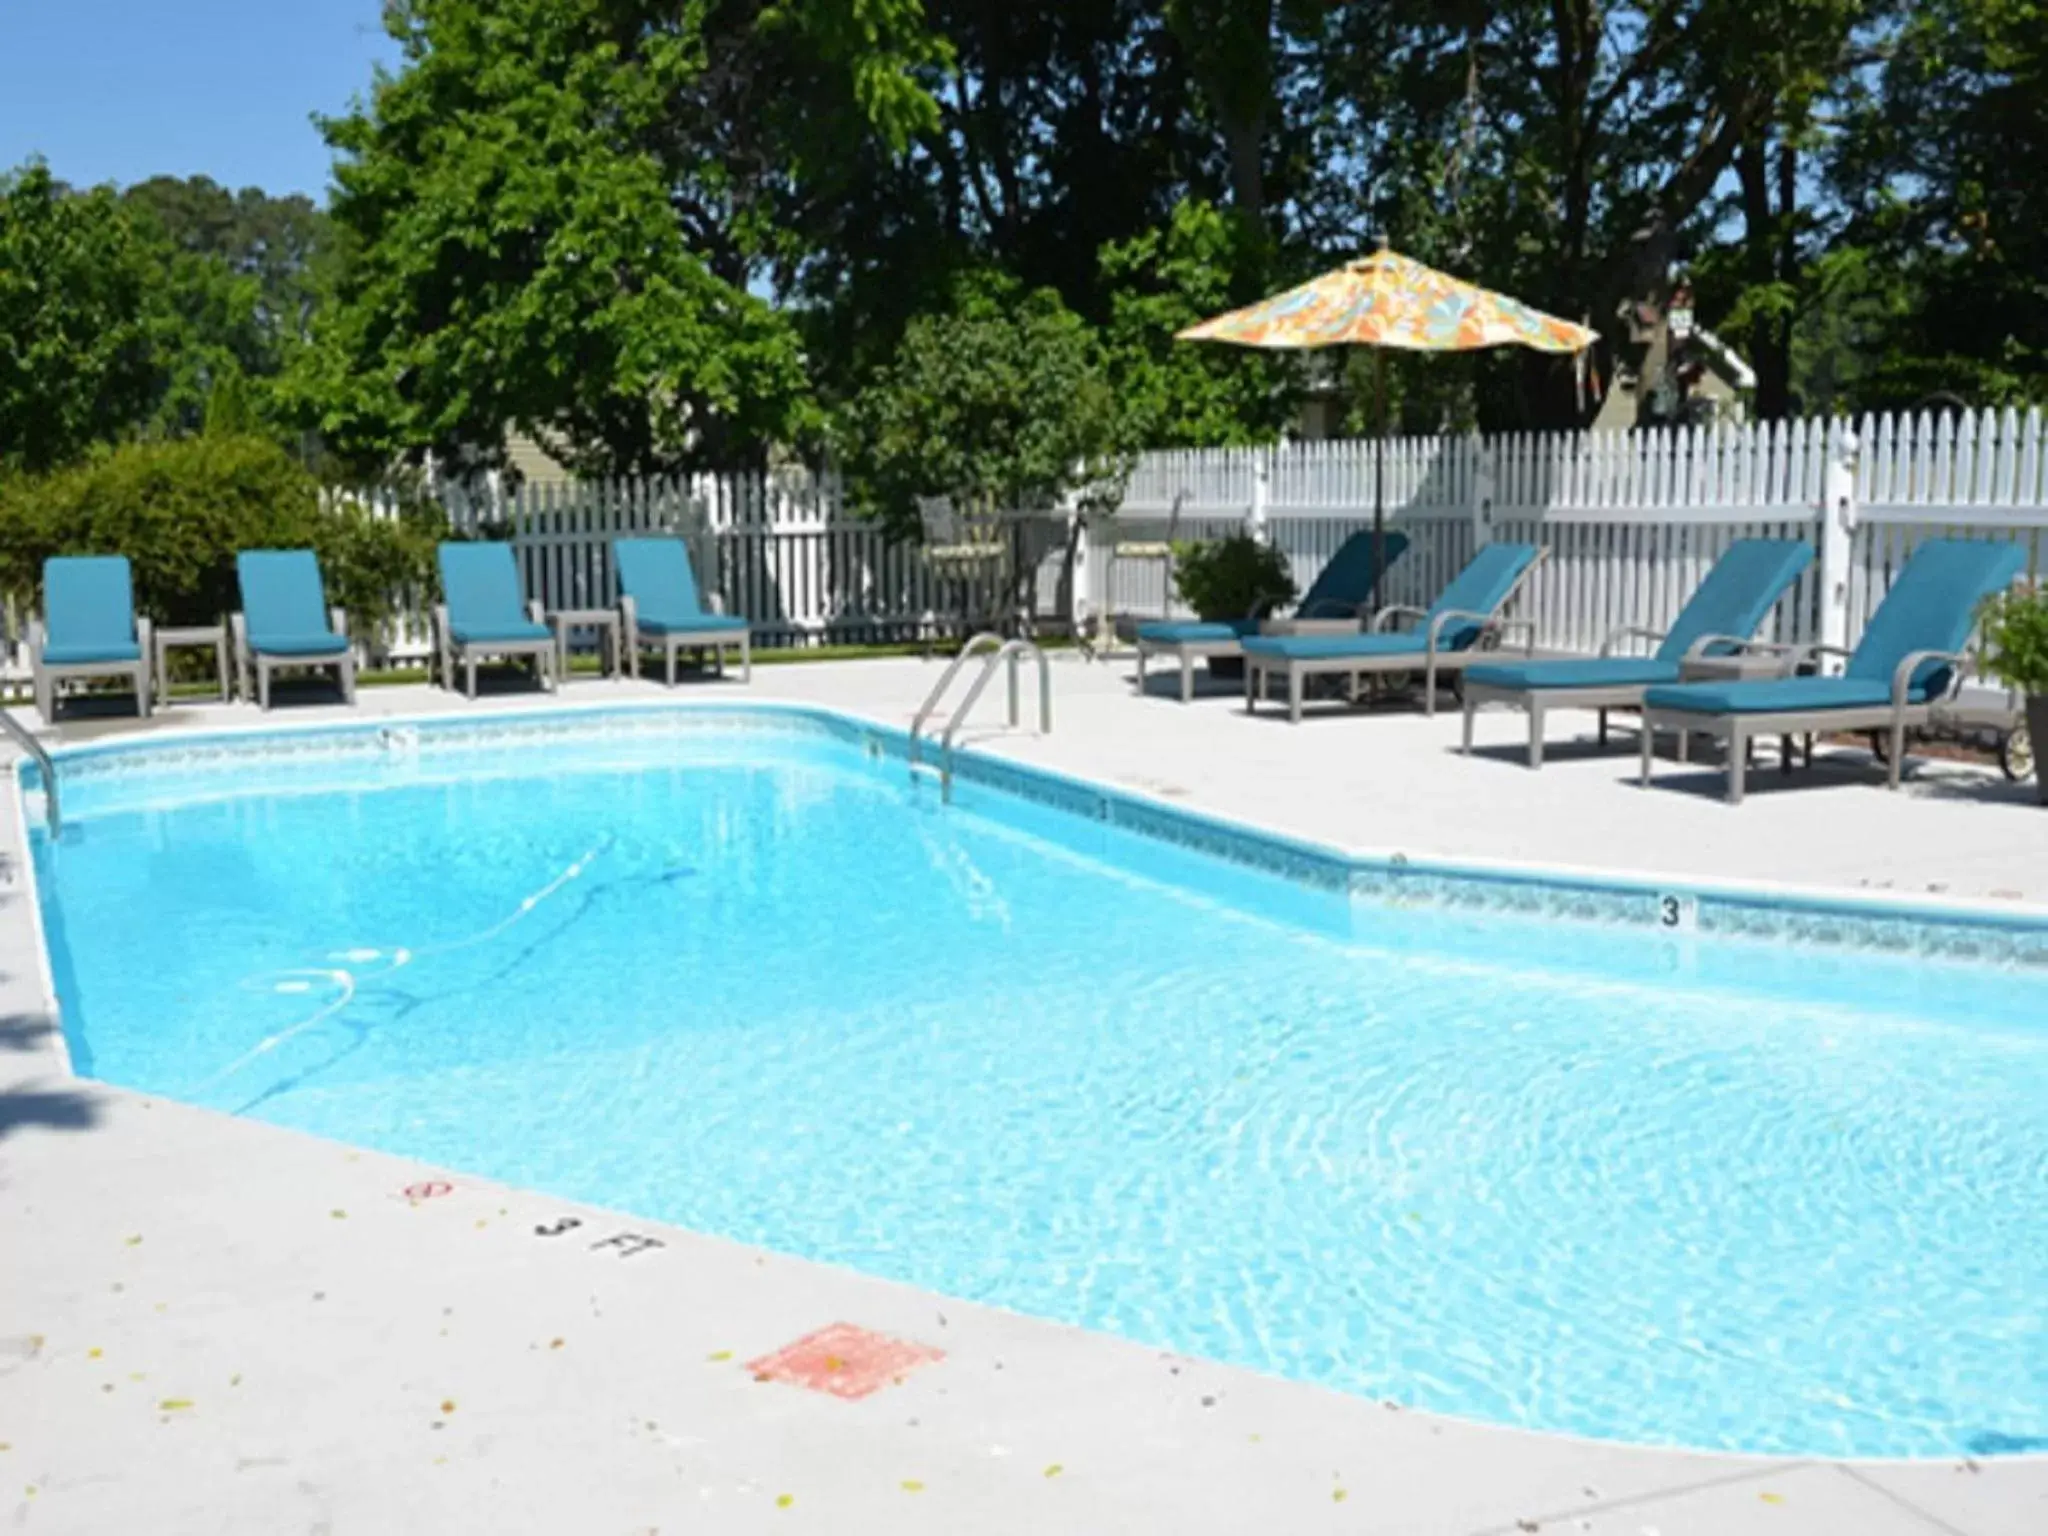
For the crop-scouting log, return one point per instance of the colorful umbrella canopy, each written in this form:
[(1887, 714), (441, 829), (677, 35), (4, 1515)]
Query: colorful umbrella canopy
[(1389, 300)]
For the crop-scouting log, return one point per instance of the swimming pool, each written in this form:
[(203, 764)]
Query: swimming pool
[(1090, 1059)]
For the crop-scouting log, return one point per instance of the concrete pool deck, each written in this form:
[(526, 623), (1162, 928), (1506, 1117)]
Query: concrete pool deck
[(208, 1324)]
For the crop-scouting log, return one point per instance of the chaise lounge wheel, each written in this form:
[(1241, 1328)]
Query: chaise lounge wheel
[(2016, 754)]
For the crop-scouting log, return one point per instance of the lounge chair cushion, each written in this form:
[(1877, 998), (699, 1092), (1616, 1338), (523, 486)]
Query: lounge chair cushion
[(88, 610), (1782, 696), (688, 623), (508, 633), (300, 645), (480, 582), (1349, 578), (1748, 579), (1195, 631), (1932, 606), (1483, 586), (1575, 672), (1487, 581), (1330, 647), (113, 654), (656, 574), (284, 606)]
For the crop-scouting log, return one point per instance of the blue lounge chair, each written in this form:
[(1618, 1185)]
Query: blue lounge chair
[(1717, 620), (89, 628), (1446, 634), (659, 608), (285, 621), (1338, 601), (483, 613), (1909, 659)]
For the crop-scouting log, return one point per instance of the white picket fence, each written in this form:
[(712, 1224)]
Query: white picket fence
[(782, 548), (1629, 521)]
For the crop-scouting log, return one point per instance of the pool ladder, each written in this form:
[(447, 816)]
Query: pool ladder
[(25, 739), (1011, 651)]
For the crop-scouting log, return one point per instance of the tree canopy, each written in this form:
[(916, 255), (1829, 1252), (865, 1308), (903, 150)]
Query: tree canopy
[(653, 234), (74, 341)]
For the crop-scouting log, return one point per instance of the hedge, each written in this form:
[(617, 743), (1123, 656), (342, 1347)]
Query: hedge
[(181, 510)]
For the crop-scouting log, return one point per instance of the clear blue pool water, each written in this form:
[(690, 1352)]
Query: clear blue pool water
[(1717, 1193)]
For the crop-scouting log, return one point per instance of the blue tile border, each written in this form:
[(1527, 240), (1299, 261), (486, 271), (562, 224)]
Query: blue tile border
[(1830, 923)]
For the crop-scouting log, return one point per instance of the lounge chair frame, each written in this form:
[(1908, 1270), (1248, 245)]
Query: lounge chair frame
[(1738, 730), (262, 663), (48, 674), (448, 650), (1188, 652), (717, 641), (1435, 659), (1317, 616), (1536, 702)]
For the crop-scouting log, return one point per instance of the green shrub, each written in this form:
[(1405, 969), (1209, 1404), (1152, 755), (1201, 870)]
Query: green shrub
[(2016, 639), (997, 400), (1232, 578), (181, 510)]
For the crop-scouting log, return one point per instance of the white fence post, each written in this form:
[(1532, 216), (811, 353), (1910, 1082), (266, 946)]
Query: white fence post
[(1482, 490), (1262, 473), (1837, 536), (1082, 571)]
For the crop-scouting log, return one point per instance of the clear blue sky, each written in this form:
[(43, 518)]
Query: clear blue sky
[(120, 90)]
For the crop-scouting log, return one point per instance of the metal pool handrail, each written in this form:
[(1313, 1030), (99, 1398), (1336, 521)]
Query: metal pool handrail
[(1011, 652), (938, 692), (25, 739)]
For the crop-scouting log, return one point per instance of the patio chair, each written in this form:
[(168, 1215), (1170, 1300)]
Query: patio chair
[(483, 613), (1338, 602), (659, 608), (89, 628), (1909, 659), (966, 554), (285, 622), (1717, 620), (1117, 551), (1465, 617)]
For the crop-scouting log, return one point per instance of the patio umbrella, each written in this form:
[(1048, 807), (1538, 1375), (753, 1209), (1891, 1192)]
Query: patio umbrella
[(1389, 301)]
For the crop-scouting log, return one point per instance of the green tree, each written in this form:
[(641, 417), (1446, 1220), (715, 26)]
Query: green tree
[(75, 354), (557, 214), (998, 400), (1174, 394), (1940, 166), (233, 293)]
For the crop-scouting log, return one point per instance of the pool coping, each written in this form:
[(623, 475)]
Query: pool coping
[(1956, 929)]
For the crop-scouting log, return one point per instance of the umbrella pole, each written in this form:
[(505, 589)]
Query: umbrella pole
[(1379, 470)]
